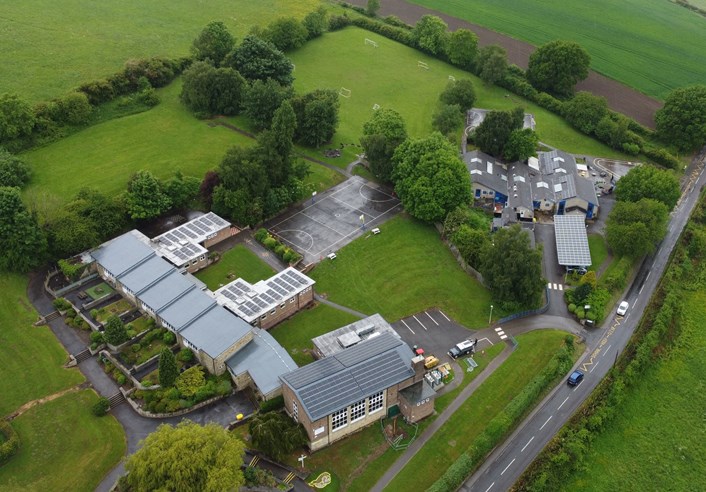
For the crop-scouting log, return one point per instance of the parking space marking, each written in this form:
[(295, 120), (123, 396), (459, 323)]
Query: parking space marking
[(545, 423), (528, 443), (415, 317), (427, 313), (442, 313), (562, 403), (487, 340), (410, 329), (508, 466)]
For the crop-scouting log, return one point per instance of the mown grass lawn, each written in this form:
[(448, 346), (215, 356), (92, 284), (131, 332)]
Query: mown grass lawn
[(63, 446), (51, 47), (598, 247), (535, 350), (31, 357), (389, 76), (237, 262), (633, 41), (404, 270), (295, 334)]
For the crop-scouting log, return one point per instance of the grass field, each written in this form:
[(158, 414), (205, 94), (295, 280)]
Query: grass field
[(598, 247), (389, 76), (402, 271), (64, 447), (651, 45), (295, 334), (658, 433), (238, 261), (533, 353), (51, 47)]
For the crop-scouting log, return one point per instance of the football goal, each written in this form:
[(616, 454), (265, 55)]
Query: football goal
[(370, 42), (421, 64), (452, 78), (376, 107), (343, 92)]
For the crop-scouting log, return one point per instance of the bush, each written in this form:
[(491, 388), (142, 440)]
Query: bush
[(169, 338), (94, 313), (337, 22), (261, 234), (101, 407), (97, 337), (661, 156), (136, 347), (73, 109), (185, 355), (71, 313), (276, 403), (130, 332), (61, 304), (393, 20), (121, 379), (270, 243), (12, 441)]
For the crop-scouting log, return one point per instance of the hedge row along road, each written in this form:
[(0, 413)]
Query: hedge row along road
[(620, 97)]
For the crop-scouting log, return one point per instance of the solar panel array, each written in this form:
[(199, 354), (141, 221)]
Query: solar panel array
[(194, 231), (572, 240)]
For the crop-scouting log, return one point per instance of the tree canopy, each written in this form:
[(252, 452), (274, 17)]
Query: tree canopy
[(512, 269), (262, 99), (431, 34), (213, 43), (187, 457), (276, 434), (429, 177), (168, 370), (207, 90), (13, 170), (317, 116), (114, 331), (316, 22), (682, 120), (286, 33), (492, 63), (257, 59), (145, 197), (448, 118), (584, 111), (23, 245), (463, 48), (16, 117), (521, 145), (648, 182), (558, 66), (493, 133), (634, 229), (382, 133), (459, 92)]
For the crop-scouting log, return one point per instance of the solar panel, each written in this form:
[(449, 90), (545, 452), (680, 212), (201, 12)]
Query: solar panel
[(252, 306), (284, 285), (274, 295), (572, 240), (245, 311), (165, 241), (190, 234), (259, 302), (282, 292), (235, 289)]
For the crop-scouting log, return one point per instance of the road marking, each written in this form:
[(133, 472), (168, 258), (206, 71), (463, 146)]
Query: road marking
[(648, 275), (607, 349), (593, 368), (491, 486), (528, 442), (415, 317), (561, 287), (640, 292), (562, 403), (410, 329), (549, 285), (508, 466), (487, 340), (427, 313), (442, 313), (545, 423), (555, 287), (503, 337), (498, 329)]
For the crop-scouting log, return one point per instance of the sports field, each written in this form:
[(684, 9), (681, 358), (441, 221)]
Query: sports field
[(50, 47), (651, 45)]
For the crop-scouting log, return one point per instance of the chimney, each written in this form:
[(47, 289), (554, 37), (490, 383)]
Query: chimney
[(418, 366)]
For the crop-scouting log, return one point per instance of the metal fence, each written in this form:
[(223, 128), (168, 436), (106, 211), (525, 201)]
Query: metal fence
[(531, 312)]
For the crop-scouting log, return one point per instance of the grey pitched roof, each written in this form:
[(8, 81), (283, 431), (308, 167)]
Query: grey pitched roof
[(418, 392), (586, 190), (478, 165), (264, 359), (123, 253), (215, 330), (149, 271), (166, 290), (188, 307), (520, 191), (335, 382), (334, 341), (571, 240)]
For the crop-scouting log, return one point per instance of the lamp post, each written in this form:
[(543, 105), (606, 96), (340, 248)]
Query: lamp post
[(313, 197), (490, 318)]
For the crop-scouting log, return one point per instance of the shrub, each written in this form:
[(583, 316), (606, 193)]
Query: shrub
[(71, 313), (169, 338), (98, 91), (572, 308), (631, 148), (185, 355), (74, 109), (131, 333), (94, 313), (96, 337), (261, 234), (136, 347), (121, 379), (270, 243), (337, 22), (12, 441), (393, 20), (101, 407), (276, 403), (280, 249), (61, 304)]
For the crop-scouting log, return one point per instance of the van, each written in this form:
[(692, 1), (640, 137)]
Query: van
[(461, 349)]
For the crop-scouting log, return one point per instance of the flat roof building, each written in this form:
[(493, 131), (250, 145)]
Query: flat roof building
[(347, 336)]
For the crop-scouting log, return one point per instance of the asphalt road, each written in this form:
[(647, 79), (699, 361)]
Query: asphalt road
[(505, 465)]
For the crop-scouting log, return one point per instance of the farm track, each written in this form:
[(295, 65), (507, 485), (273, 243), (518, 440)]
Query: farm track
[(620, 97)]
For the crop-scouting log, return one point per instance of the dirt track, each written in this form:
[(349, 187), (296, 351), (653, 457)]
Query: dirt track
[(620, 97)]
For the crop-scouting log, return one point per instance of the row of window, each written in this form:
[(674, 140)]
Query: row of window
[(357, 411), (281, 306)]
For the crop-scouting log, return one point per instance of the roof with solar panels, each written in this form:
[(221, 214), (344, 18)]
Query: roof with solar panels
[(182, 244)]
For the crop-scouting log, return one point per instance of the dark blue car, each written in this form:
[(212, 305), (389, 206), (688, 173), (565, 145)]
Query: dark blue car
[(575, 378)]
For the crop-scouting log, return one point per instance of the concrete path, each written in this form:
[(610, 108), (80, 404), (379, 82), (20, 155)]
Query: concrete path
[(409, 453), (339, 307)]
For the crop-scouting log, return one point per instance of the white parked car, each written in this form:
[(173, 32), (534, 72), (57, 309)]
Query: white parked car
[(623, 308)]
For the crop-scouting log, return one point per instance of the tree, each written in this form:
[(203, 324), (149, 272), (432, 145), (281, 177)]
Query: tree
[(585, 111), (23, 245), (459, 92), (682, 120), (189, 381), (493, 133), (181, 189), (463, 48), (492, 63), (114, 331), (16, 117), (276, 434), (145, 197), (187, 457), (557, 66), (107, 215), (471, 243), (447, 118), (429, 177), (521, 145), (382, 133), (634, 229), (13, 170), (210, 180), (69, 233), (372, 8), (74, 109), (240, 169), (315, 23), (648, 182), (474, 218), (317, 116), (286, 33), (431, 34), (262, 99), (512, 269), (275, 146), (208, 90), (257, 59), (213, 43), (168, 370)]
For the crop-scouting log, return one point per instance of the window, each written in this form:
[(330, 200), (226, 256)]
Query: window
[(281, 306), (375, 402), (291, 301), (273, 311), (263, 316), (202, 257), (295, 411), (339, 419), (358, 411)]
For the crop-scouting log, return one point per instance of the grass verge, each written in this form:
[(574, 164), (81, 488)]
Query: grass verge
[(598, 247), (237, 262)]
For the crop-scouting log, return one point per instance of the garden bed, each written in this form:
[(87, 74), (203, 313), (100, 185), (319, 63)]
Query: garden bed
[(99, 291), (116, 308), (150, 345)]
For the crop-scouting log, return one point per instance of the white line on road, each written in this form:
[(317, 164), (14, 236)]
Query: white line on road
[(442, 313), (528, 442), (607, 349), (545, 423), (415, 317), (427, 313), (491, 486), (549, 285), (410, 329), (562, 403), (648, 275), (498, 329), (503, 337), (640, 292), (508, 466), (561, 287), (596, 365), (555, 287)]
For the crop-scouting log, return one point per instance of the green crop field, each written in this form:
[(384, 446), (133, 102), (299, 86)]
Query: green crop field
[(49, 47), (389, 76), (651, 45)]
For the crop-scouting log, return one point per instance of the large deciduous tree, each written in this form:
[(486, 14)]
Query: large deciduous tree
[(521, 145), (276, 145), (429, 177), (558, 66), (262, 99), (189, 458), (512, 269), (317, 116), (286, 33), (181, 189), (16, 117), (145, 197), (13, 170), (492, 63), (316, 23), (382, 133), (463, 48), (682, 120), (634, 229), (459, 92), (493, 133), (648, 182), (208, 90), (213, 43), (276, 434), (23, 245), (585, 111), (471, 243), (257, 59), (447, 118), (431, 34)]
